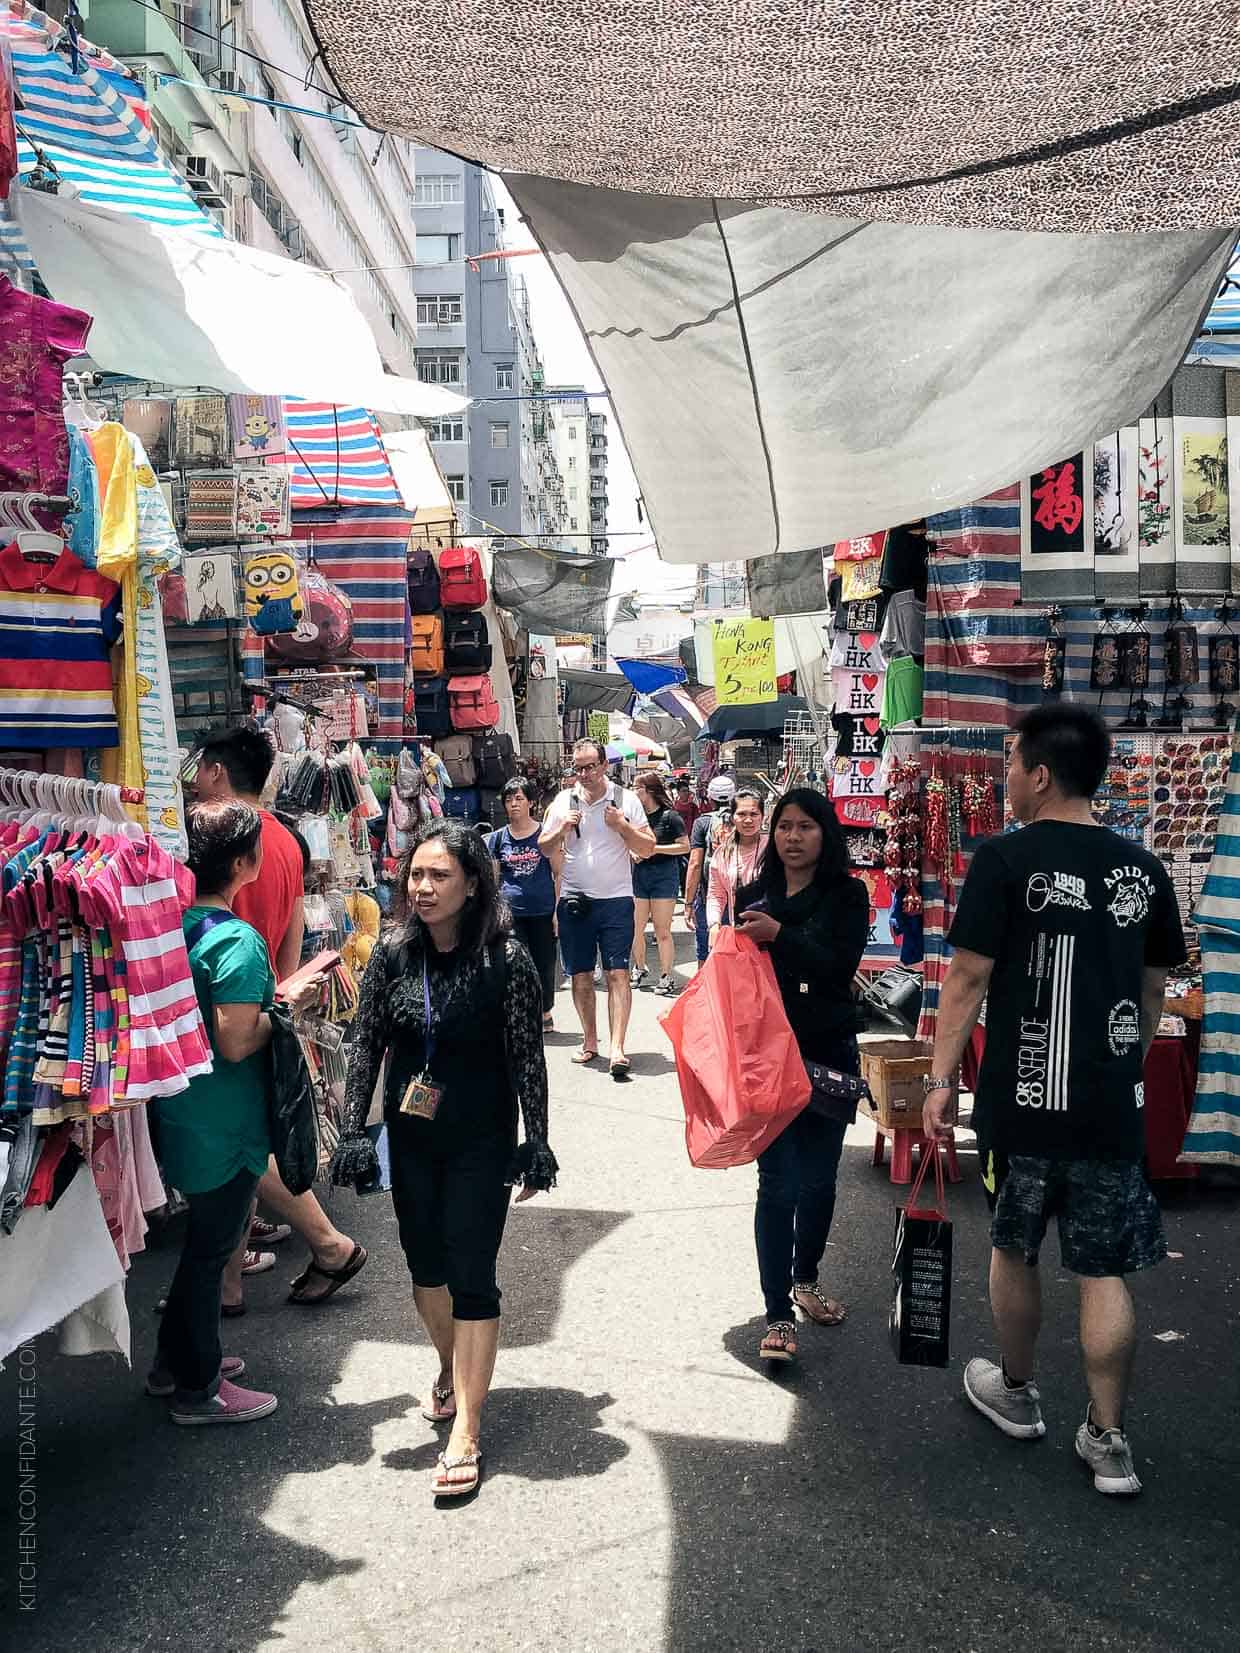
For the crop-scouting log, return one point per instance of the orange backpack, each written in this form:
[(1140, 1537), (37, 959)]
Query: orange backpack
[(426, 645)]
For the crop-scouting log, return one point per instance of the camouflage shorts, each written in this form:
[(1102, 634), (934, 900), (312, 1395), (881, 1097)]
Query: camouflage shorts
[(1109, 1221)]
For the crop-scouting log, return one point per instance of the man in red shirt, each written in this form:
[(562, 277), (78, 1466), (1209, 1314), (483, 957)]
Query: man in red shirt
[(236, 763)]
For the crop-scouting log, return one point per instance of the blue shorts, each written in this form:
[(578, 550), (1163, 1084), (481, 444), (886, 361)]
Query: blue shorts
[(657, 878), (605, 928)]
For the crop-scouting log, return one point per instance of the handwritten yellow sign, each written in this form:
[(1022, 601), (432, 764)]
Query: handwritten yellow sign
[(745, 662), (599, 726)]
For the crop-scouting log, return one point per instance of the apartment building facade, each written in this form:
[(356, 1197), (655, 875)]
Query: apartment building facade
[(580, 439), (476, 335), (289, 180)]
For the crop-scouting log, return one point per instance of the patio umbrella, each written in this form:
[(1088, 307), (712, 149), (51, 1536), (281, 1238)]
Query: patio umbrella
[(617, 749)]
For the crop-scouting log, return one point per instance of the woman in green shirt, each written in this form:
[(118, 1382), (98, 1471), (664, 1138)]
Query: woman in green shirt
[(213, 1138)]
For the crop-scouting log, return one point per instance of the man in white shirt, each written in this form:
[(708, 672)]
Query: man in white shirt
[(601, 827)]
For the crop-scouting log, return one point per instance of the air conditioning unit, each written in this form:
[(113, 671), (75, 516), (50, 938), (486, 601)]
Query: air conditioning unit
[(206, 180), (229, 84)]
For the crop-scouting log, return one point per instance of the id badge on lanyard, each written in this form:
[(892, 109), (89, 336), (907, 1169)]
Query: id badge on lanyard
[(422, 1095)]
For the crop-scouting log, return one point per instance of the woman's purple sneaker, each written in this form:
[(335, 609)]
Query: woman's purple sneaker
[(228, 1405)]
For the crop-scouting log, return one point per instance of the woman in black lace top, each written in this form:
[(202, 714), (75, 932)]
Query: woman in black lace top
[(454, 1003)]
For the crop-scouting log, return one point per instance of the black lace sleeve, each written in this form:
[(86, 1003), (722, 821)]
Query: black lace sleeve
[(355, 1160), (534, 1165)]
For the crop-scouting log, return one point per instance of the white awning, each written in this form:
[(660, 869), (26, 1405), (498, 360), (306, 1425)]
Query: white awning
[(785, 379), (185, 309)]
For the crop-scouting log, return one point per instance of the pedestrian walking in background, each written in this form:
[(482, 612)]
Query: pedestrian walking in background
[(813, 917), (213, 1138), (735, 860), (236, 763), (684, 802), (1067, 931), (602, 828), (708, 828), (529, 882), (656, 881), (452, 1001)]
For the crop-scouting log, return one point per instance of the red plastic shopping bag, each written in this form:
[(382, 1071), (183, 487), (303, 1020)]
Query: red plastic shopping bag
[(742, 1080)]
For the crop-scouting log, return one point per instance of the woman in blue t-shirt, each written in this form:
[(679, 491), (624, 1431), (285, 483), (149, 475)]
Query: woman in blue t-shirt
[(529, 881)]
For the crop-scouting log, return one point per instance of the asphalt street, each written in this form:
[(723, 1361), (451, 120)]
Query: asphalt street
[(647, 1484)]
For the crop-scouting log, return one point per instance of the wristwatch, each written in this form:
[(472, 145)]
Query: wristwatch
[(933, 1082)]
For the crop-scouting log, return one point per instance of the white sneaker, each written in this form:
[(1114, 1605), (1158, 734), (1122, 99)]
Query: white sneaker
[(1017, 1412), (1110, 1457), (667, 986), (637, 976)]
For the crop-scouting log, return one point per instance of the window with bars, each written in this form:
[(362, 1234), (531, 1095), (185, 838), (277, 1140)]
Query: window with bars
[(456, 489), (499, 493), (501, 434), (448, 430), (437, 189), (439, 369), (504, 377), (441, 311)]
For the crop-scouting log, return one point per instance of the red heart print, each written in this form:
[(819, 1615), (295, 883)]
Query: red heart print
[(868, 767), (867, 639), (871, 725), (870, 679)]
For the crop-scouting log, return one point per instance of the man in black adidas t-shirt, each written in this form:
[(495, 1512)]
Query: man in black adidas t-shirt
[(1067, 931)]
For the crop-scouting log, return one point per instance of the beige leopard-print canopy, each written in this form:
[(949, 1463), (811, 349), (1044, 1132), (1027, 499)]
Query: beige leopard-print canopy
[(1007, 114)]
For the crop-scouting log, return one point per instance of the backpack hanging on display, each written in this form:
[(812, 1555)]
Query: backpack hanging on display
[(495, 761), (430, 707), (423, 583), (466, 645), (426, 650), (462, 584), (462, 803), (457, 752), (473, 703), (492, 804)]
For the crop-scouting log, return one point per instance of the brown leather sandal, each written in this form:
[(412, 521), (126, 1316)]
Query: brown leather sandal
[(816, 1306), (780, 1342)]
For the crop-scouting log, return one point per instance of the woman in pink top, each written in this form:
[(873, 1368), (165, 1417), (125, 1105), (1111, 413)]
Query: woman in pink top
[(734, 859)]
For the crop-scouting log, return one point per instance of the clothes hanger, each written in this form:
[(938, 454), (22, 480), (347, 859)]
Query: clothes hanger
[(85, 414), (36, 543)]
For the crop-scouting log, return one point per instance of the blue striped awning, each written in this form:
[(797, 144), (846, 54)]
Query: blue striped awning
[(1224, 313), (93, 134)]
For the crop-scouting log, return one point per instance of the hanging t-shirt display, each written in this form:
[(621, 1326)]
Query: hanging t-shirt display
[(859, 580), (857, 652), (60, 620), (903, 691), (858, 693), (37, 338), (1071, 916)]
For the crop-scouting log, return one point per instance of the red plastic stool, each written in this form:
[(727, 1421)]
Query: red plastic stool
[(902, 1145)]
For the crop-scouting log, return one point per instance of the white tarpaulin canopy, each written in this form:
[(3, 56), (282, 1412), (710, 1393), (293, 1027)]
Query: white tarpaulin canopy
[(784, 379), (185, 309)]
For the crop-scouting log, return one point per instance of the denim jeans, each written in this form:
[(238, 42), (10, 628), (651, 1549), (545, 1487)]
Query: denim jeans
[(796, 1201), (189, 1333), (701, 929)]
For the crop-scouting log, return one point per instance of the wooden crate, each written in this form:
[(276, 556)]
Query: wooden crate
[(894, 1070)]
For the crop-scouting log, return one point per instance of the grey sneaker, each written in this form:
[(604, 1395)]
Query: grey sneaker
[(637, 976), (667, 986), (1110, 1457), (1015, 1411)]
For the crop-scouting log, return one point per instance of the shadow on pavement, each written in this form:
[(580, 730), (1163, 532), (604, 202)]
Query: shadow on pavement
[(153, 1536), (893, 1516)]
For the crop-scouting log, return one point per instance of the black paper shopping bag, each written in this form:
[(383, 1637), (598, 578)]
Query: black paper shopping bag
[(921, 1273)]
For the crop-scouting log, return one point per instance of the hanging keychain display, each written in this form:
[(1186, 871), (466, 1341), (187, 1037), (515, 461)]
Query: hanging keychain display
[(1104, 670), (1224, 665), (1135, 668), (1054, 656)]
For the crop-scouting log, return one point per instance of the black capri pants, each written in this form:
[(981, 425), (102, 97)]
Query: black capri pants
[(538, 934), (451, 1207)]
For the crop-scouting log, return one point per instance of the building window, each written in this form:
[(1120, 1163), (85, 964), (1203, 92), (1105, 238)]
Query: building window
[(439, 312), (296, 143), (572, 493), (436, 189), (437, 249), (500, 434), (456, 489), (574, 431), (448, 430), (268, 91), (572, 523), (504, 377), (439, 370), (572, 461), (499, 493)]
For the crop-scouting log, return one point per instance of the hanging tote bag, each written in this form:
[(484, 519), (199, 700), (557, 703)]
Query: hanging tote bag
[(742, 1080), (292, 1117), (921, 1273)]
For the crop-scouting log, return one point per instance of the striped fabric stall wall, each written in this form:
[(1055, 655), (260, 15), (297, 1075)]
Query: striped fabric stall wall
[(363, 550), (338, 457), (1213, 1136)]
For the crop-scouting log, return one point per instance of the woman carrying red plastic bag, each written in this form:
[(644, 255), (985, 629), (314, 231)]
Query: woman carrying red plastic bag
[(812, 917)]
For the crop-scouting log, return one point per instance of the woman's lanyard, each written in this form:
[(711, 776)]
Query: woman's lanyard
[(422, 1095)]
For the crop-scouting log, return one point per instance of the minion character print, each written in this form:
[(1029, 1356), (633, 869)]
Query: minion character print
[(272, 592)]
